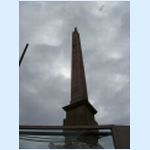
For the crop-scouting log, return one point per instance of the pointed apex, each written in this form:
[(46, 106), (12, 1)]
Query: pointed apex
[(75, 29)]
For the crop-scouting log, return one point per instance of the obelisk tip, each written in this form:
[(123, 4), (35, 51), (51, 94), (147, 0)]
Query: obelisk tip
[(75, 29)]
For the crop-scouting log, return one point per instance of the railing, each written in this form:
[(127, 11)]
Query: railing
[(43, 127), (106, 136)]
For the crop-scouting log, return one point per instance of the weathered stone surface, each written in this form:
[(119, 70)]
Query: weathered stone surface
[(80, 111), (78, 81)]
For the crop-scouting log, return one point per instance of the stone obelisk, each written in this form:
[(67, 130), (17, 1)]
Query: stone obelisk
[(79, 111)]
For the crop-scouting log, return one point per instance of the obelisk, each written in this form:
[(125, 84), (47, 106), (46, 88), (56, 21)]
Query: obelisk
[(79, 111)]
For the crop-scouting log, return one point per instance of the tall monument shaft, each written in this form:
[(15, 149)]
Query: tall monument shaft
[(79, 111), (78, 81)]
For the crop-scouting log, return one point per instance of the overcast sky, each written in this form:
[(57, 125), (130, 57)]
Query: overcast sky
[(44, 78)]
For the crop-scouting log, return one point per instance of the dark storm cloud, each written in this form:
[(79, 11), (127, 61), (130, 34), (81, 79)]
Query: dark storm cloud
[(45, 71)]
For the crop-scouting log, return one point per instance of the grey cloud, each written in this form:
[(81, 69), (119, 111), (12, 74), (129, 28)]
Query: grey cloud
[(45, 71)]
